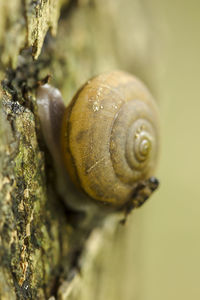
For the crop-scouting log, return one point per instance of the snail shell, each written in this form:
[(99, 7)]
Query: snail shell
[(110, 137)]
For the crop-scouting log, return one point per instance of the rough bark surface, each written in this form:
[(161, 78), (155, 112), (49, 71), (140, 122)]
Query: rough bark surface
[(39, 248)]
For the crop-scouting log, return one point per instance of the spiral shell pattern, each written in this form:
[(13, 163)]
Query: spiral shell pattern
[(110, 136)]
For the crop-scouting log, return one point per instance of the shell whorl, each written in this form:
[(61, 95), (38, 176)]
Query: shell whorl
[(110, 136)]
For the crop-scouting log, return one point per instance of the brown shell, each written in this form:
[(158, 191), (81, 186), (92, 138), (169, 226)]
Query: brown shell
[(110, 137)]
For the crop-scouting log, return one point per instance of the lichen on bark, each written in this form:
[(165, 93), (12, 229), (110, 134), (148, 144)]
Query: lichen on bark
[(30, 242), (25, 24)]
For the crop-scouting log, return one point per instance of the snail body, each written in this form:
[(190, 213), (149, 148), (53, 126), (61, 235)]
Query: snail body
[(107, 139)]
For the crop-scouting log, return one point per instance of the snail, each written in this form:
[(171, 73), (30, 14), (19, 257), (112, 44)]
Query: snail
[(105, 143)]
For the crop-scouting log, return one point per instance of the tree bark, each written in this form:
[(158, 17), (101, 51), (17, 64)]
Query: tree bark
[(41, 252)]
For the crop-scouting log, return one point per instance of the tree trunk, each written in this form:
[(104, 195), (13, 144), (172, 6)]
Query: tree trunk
[(42, 254)]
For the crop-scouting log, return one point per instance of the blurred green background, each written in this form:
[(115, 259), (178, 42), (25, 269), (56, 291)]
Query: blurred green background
[(170, 251)]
